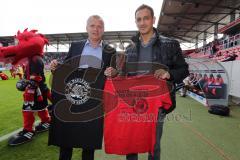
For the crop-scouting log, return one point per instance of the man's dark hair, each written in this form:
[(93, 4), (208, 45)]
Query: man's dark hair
[(144, 6)]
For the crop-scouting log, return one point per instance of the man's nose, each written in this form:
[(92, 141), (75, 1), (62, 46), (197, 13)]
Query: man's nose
[(95, 28), (141, 22)]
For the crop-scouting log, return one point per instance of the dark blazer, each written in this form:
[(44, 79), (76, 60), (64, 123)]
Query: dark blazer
[(74, 133)]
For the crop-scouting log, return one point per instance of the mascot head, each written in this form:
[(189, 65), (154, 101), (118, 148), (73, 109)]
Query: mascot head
[(27, 45)]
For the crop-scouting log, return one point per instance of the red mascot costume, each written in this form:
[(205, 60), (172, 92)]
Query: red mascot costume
[(29, 48)]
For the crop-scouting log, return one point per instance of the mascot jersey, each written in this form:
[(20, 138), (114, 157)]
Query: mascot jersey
[(130, 124)]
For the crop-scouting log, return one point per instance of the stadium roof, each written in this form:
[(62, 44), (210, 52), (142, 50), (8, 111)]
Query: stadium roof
[(67, 38), (187, 19)]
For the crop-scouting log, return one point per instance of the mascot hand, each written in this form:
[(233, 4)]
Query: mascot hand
[(33, 84), (34, 81), (36, 78)]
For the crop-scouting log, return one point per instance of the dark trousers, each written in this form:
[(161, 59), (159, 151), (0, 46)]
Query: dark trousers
[(157, 149), (66, 154)]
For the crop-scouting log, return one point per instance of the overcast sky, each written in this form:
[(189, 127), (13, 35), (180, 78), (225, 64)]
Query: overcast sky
[(69, 16)]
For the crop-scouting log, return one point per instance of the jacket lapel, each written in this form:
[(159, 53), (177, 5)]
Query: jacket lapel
[(80, 50)]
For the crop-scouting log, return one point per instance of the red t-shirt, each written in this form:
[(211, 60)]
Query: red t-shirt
[(130, 124)]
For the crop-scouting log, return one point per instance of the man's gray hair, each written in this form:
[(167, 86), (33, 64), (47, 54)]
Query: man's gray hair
[(95, 17)]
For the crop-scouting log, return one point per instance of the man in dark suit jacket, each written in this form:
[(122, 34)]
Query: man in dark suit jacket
[(71, 130)]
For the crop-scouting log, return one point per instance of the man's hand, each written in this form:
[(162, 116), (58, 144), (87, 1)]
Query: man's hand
[(162, 74), (53, 65), (110, 72)]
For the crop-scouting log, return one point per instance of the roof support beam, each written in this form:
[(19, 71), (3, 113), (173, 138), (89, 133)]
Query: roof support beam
[(196, 43), (187, 29), (179, 31), (215, 31), (185, 24), (232, 17), (199, 20), (178, 37), (190, 37), (197, 3), (194, 14), (204, 38)]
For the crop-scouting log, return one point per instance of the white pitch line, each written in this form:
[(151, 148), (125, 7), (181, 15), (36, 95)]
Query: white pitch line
[(3, 138)]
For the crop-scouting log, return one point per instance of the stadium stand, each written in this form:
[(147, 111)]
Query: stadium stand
[(49, 56)]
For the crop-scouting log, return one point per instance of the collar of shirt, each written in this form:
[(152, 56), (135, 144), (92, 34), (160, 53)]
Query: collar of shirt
[(89, 44), (152, 39)]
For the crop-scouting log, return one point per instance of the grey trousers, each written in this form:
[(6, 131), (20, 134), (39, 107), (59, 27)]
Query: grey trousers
[(157, 149)]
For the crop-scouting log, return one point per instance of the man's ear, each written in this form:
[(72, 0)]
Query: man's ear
[(154, 19)]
